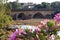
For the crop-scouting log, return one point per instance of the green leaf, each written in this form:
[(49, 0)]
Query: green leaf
[(50, 24)]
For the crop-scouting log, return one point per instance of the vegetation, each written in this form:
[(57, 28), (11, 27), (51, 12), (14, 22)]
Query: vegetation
[(46, 30), (54, 5), (5, 19)]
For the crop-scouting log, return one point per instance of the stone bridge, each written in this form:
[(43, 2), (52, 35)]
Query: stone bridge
[(31, 14)]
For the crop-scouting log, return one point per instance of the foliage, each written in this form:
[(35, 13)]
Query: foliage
[(5, 19), (46, 30), (15, 5), (50, 24), (54, 5)]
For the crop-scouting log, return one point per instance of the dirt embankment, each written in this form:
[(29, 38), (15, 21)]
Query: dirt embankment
[(30, 21)]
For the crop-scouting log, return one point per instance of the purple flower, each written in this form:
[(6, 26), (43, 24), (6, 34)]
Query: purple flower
[(40, 26), (47, 28), (22, 32), (30, 30), (44, 22), (57, 17), (32, 38), (13, 36), (55, 26), (38, 30)]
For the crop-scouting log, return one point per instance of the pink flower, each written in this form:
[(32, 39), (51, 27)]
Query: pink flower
[(52, 37), (40, 26), (22, 32), (30, 30), (57, 18), (32, 38), (47, 28), (13, 35), (44, 22), (38, 30), (55, 26)]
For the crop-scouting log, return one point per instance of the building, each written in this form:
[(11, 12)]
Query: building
[(28, 5)]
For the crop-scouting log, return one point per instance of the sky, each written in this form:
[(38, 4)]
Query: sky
[(34, 1)]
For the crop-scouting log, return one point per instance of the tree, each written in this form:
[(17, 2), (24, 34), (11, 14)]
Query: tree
[(43, 5), (15, 5), (38, 6), (56, 6), (5, 19), (46, 5), (8, 8)]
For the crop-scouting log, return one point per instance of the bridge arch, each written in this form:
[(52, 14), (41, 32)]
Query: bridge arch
[(48, 16), (37, 15), (21, 16)]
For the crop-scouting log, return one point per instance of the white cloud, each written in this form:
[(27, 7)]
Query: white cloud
[(11, 0), (35, 1)]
